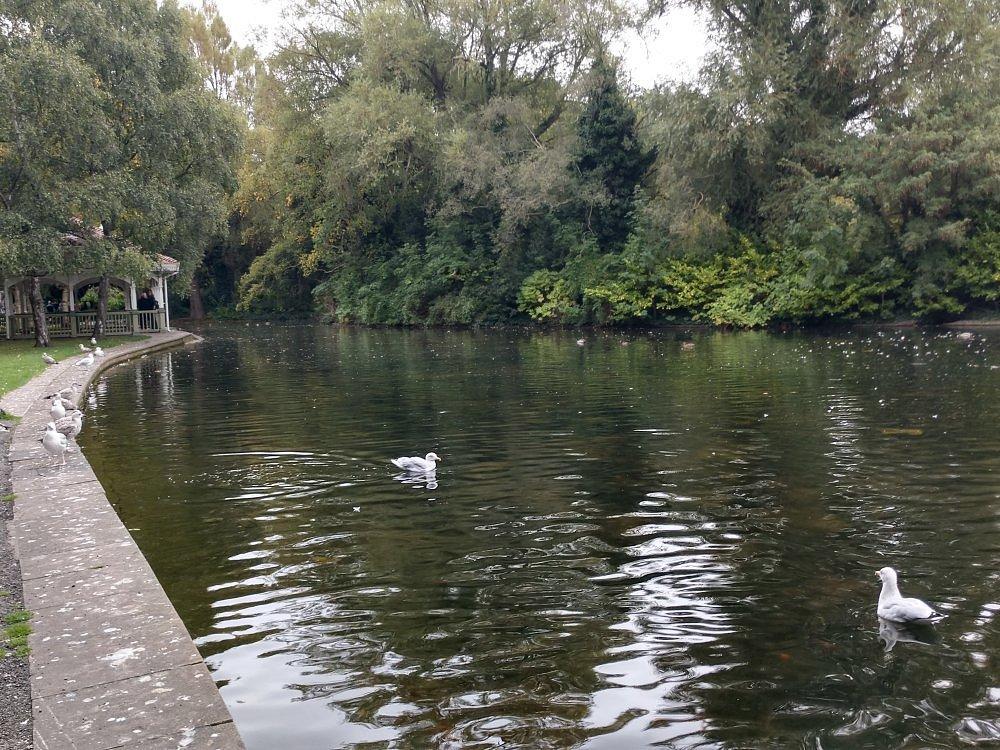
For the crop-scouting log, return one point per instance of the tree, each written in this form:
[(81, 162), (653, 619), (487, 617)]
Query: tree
[(610, 154), (105, 124), (229, 70)]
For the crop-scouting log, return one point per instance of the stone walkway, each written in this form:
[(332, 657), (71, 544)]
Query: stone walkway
[(111, 663)]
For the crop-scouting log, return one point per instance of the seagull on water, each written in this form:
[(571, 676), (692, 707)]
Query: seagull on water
[(71, 425), (417, 464), (48, 358), (55, 442), (893, 607), (87, 361)]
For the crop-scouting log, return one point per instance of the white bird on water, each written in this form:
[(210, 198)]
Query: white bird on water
[(48, 358), (893, 607), (87, 361), (55, 442), (423, 465)]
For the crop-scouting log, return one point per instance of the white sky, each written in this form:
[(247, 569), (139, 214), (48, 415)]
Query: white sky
[(670, 49)]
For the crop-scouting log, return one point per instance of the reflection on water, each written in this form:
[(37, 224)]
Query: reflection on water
[(624, 547)]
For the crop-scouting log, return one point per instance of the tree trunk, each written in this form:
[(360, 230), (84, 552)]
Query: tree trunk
[(197, 303), (100, 324), (38, 311)]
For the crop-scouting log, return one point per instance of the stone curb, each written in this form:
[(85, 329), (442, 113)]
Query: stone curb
[(112, 665)]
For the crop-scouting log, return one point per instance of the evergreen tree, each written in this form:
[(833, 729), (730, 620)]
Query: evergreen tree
[(611, 155)]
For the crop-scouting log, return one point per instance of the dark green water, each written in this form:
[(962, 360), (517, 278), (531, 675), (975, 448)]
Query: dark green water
[(627, 546)]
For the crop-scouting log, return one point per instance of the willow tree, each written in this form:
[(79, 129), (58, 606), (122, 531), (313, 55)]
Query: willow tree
[(859, 136), (105, 123)]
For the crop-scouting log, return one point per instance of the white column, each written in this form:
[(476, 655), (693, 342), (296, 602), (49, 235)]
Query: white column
[(133, 301), (166, 302)]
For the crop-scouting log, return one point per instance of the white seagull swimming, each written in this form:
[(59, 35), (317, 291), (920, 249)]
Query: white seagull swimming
[(423, 465), (893, 607), (55, 442)]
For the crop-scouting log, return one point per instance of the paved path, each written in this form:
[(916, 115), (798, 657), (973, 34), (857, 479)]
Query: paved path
[(111, 663)]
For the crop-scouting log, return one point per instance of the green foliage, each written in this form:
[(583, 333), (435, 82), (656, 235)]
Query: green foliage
[(453, 163), (977, 277), (116, 299), (104, 124), (16, 632), (611, 155)]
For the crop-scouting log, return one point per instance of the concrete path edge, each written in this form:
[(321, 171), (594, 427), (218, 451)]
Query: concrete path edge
[(112, 665)]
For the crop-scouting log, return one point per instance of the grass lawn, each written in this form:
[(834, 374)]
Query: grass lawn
[(20, 361)]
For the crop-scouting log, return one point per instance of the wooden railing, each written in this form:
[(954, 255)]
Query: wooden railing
[(66, 324)]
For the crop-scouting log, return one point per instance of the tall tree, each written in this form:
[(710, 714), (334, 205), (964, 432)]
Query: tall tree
[(230, 70), (610, 154), (105, 123)]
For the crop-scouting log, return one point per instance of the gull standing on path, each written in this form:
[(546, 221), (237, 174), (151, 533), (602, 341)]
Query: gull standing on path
[(87, 361), (55, 442), (84, 348), (57, 411), (67, 403), (99, 352), (423, 465), (71, 425), (48, 358), (893, 607)]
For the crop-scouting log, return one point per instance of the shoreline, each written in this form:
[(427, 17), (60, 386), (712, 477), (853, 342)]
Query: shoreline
[(111, 663), (15, 691), (531, 326)]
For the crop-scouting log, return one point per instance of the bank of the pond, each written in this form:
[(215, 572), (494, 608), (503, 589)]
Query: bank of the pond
[(15, 693), (111, 664)]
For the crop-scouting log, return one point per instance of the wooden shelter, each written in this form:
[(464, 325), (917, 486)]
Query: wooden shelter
[(68, 314)]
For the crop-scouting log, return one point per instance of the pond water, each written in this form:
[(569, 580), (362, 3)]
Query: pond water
[(627, 544)]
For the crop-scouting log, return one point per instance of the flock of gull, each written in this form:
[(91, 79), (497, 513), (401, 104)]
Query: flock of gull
[(67, 419)]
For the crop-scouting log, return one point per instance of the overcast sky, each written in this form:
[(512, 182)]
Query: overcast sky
[(670, 49)]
